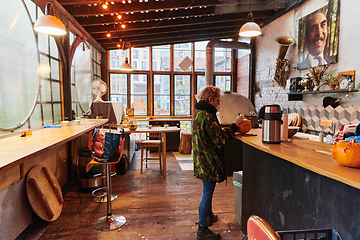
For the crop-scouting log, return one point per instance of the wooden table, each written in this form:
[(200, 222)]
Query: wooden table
[(15, 149), (162, 131), (54, 148)]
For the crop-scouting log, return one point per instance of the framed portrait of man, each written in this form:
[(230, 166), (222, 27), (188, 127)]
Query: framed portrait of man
[(318, 41)]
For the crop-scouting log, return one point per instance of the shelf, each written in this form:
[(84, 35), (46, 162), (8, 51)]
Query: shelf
[(298, 96)]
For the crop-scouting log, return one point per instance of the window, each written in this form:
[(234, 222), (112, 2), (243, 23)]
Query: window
[(117, 93), (135, 54), (222, 59), (223, 82), (22, 75), (140, 58), (182, 95), (200, 83), (117, 58), (200, 56), (170, 90), (181, 51), (161, 55), (138, 93), (161, 94)]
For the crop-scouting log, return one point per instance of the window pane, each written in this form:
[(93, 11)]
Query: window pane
[(181, 51), (200, 83), (223, 82), (139, 103), (82, 65), (138, 93), (200, 56), (222, 60), (118, 88), (55, 69), (162, 94), (161, 55), (141, 57), (182, 94), (117, 58), (19, 80)]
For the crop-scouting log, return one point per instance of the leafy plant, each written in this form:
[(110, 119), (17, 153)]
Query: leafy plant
[(329, 78)]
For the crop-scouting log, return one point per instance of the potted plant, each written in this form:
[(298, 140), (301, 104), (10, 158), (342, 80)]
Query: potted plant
[(330, 80), (317, 74)]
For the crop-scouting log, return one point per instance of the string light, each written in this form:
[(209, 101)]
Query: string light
[(108, 35), (123, 26)]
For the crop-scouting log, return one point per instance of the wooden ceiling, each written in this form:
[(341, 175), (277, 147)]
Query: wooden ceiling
[(160, 22)]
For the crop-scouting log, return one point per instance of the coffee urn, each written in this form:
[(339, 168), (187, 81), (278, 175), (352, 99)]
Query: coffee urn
[(271, 114)]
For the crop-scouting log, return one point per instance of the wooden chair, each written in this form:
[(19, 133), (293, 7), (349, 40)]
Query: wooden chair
[(152, 140), (258, 228)]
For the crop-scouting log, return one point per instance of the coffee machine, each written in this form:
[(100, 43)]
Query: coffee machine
[(270, 116)]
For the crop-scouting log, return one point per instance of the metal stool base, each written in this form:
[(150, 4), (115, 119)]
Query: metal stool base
[(102, 199), (108, 223)]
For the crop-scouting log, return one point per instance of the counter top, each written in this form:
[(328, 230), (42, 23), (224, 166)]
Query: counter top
[(15, 149), (311, 155)]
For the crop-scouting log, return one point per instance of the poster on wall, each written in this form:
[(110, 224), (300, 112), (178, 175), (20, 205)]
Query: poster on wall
[(318, 41)]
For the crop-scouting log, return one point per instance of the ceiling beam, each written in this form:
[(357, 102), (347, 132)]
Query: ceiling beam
[(146, 26), (177, 34), (155, 31)]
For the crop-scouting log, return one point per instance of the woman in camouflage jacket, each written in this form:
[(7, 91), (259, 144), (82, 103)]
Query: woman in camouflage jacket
[(208, 152)]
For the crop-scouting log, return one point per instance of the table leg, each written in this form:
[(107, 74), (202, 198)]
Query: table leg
[(163, 136)]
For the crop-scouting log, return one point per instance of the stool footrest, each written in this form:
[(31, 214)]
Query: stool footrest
[(104, 189)]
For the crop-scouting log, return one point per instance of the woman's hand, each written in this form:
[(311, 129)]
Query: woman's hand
[(239, 120)]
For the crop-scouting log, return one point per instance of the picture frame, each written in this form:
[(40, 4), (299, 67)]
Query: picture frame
[(317, 47)]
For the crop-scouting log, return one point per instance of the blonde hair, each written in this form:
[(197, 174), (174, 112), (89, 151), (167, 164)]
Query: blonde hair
[(208, 92)]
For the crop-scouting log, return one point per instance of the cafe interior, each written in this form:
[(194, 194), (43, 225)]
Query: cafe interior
[(72, 71)]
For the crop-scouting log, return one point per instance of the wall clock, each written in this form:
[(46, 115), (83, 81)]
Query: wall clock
[(345, 82)]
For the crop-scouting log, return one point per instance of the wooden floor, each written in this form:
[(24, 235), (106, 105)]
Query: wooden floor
[(154, 208)]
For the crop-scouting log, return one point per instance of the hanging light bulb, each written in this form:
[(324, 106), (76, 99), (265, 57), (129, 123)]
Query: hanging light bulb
[(126, 66), (250, 29), (49, 24)]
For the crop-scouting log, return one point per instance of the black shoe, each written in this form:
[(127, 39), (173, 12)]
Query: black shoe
[(211, 219), (204, 233)]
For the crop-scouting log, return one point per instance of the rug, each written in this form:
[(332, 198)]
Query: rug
[(185, 160)]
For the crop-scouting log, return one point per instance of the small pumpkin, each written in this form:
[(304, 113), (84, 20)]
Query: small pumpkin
[(245, 126), (347, 153)]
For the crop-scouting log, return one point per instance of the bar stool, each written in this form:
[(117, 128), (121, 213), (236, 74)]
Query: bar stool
[(110, 221), (150, 142), (101, 198)]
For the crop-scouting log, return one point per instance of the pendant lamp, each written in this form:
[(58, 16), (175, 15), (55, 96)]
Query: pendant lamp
[(49, 24), (126, 66), (250, 29)]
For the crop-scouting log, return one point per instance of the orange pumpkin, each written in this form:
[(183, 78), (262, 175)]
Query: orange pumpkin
[(245, 126), (347, 153)]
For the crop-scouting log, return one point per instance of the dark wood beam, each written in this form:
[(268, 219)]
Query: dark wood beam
[(165, 30), (176, 39), (221, 7), (175, 34), (176, 22), (138, 17)]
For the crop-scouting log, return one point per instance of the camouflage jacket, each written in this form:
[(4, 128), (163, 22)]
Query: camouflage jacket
[(208, 143)]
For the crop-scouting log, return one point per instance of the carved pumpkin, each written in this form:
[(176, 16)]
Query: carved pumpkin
[(245, 126), (347, 153)]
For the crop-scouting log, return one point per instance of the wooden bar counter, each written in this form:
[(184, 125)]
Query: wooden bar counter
[(298, 185), (54, 148)]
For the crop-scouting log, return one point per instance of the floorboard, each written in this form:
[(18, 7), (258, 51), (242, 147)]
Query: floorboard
[(154, 207)]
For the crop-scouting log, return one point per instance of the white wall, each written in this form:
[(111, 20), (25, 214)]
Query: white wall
[(267, 50)]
